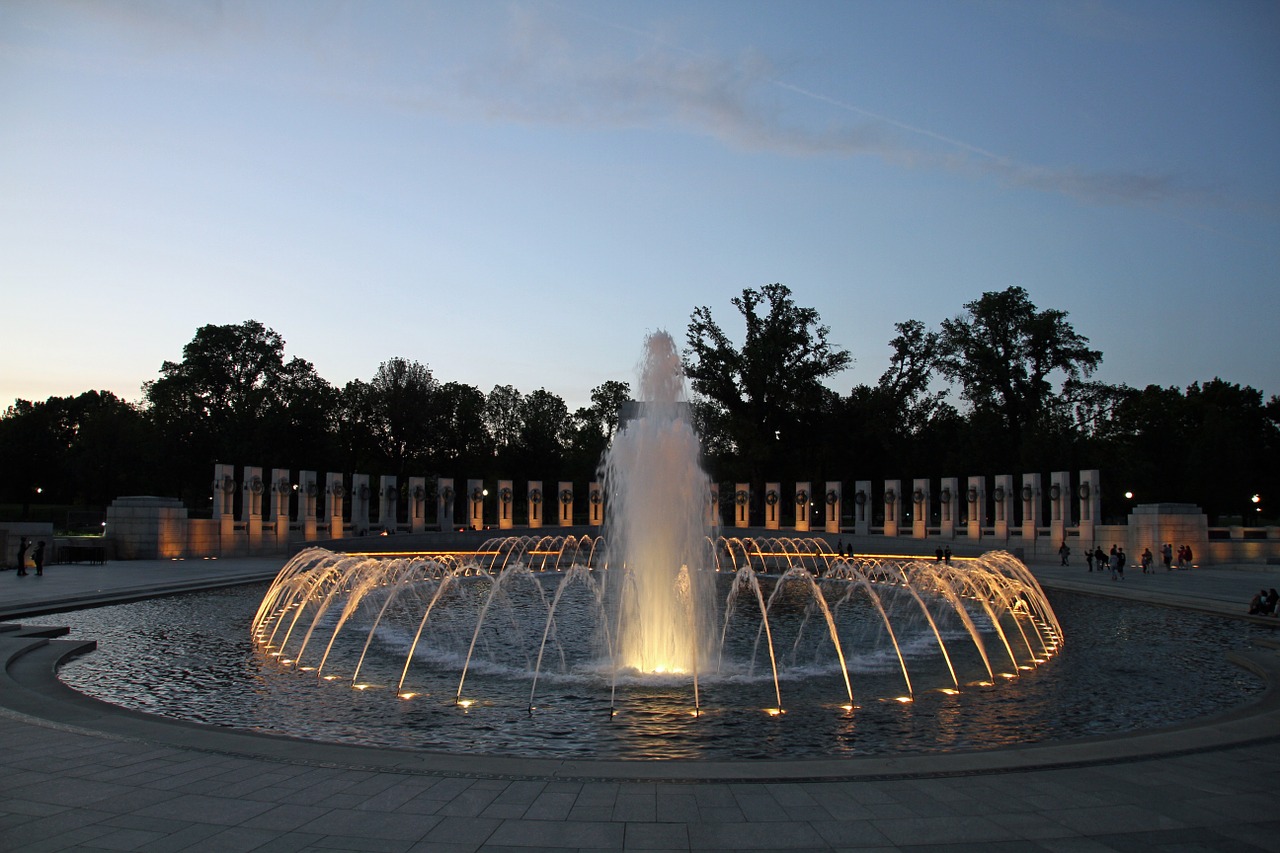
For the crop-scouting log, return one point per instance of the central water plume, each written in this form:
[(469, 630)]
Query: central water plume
[(656, 523)]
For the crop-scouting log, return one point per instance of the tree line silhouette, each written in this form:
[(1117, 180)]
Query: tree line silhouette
[(1002, 387)]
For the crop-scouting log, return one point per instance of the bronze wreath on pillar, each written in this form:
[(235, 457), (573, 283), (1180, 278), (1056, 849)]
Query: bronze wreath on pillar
[(228, 485), (255, 486), (741, 497), (477, 494), (1084, 491), (419, 493), (392, 493), (448, 494), (771, 497), (998, 494), (1055, 491), (973, 494), (282, 485), (832, 497), (566, 496), (945, 495), (890, 496), (505, 495), (535, 496), (364, 492), (802, 497), (1027, 493), (860, 498), (312, 489), (918, 496)]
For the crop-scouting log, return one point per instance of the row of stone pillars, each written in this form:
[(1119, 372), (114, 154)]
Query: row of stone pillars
[(962, 509), (264, 511)]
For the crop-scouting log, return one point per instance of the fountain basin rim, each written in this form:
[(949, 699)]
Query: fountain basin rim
[(31, 691)]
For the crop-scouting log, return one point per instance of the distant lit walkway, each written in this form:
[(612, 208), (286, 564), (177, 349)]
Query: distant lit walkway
[(79, 775)]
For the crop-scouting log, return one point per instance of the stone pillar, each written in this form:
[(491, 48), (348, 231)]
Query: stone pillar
[(595, 504), (535, 503), (360, 494), (976, 506), (224, 500), (713, 506), (281, 489), (835, 506), (892, 506), (388, 500), (506, 505), (949, 506), (921, 502), (803, 505), (445, 503), (337, 494), (742, 505), (1003, 497), (772, 506), (417, 504), (1089, 508), (1059, 506), (475, 504), (565, 493), (305, 512), (1030, 495), (252, 506), (862, 508)]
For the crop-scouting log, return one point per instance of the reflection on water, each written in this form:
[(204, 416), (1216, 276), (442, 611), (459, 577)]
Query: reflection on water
[(1125, 667)]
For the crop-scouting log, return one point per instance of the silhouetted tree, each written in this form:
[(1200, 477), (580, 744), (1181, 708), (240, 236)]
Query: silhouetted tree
[(1004, 353), (762, 402), (225, 398), (401, 417)]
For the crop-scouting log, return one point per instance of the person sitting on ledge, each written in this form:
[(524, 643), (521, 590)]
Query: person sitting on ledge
[(1256, 603), (1270, 603)]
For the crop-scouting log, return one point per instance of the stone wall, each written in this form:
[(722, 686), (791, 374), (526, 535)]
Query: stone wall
[(147, 528)]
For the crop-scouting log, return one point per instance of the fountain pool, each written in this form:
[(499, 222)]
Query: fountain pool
[(1128, 667)]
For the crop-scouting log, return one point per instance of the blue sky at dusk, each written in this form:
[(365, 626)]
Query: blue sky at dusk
[(517, 192)]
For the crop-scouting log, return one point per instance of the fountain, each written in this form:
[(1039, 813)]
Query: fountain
[(659, 611)]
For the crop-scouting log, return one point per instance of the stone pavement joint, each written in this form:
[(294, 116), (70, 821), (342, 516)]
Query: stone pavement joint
[(76, 774)]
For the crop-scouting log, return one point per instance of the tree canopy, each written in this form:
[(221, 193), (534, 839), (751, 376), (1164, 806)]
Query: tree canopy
[(759, 396), (1003, 352)]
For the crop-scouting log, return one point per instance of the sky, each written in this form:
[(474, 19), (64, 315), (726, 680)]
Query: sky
[(519, 192)]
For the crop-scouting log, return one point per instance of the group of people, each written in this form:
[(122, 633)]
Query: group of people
[(1184, 556), (37, 556), (1264, 603), (1115, 561)]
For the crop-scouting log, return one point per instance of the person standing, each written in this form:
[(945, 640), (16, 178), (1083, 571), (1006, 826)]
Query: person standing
[(1064, 552), (23, 545), (1147, 557), (946, 555), (1166, 554), (1088, 558), (38, 557), (1123, 559)]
